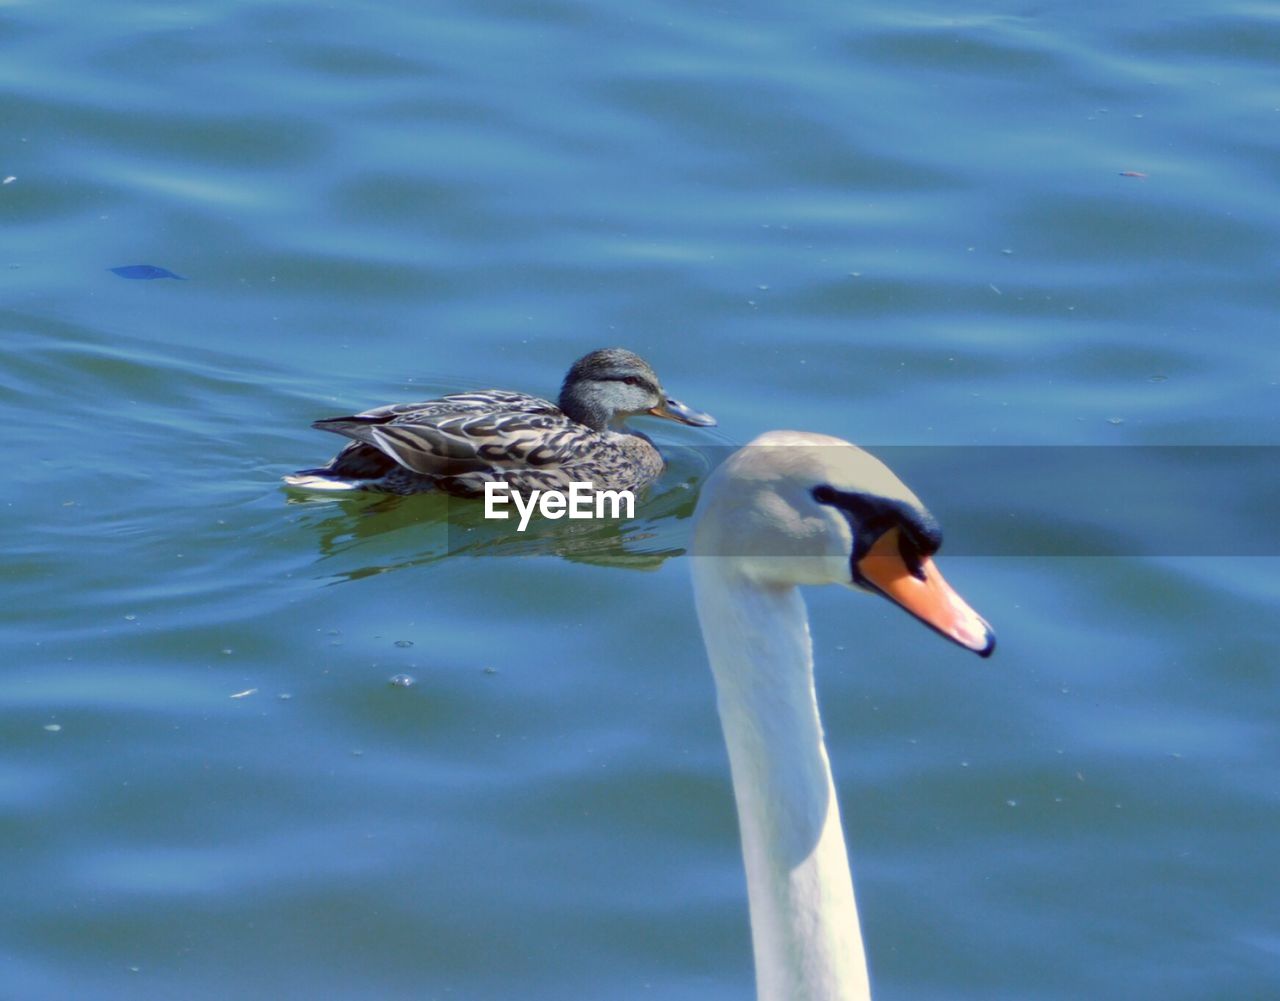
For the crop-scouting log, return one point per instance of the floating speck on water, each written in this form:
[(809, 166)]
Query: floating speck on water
[(10, 179), (489, 670), (1115, 420), (404, 643), (1007, 251), (285, 696), (357, 752), (227, 651), (964, 764), (401, 681), (1010, 802), (245, 694), (53, 727), (1158, 378), (763, 288), (131, 617), (994, 289), (144, 272)]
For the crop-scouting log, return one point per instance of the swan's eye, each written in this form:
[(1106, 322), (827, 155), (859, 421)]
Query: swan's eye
[(632, 380), (824, 494)]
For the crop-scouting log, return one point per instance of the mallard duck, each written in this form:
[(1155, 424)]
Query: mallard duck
[(459, 442)]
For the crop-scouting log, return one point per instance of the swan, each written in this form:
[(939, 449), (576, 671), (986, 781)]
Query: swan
[(799, 508)]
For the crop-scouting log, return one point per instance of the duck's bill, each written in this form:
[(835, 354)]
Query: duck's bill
[(925, 594), (674, 410)]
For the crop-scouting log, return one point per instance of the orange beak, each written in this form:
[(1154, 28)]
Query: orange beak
[(925, 595)]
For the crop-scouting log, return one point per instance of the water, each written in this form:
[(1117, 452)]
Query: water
[(901, 226)]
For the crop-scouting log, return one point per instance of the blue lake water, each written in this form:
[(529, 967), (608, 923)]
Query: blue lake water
[(906, 226)]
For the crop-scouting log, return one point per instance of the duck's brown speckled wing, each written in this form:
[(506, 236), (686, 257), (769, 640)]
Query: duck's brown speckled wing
[(461, 441), (479, 401)]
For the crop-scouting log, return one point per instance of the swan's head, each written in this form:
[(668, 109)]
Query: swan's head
[(799, 508), (612, 384)]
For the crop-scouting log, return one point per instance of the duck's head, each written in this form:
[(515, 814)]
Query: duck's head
[(800, 508), (612, 384)]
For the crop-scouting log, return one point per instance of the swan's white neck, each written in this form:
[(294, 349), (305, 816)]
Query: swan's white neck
[(804, 922)]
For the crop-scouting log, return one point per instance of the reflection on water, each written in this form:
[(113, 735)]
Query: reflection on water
[(435, 526)]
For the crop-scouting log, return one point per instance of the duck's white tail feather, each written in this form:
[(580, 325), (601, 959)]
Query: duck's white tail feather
[(311, 481)]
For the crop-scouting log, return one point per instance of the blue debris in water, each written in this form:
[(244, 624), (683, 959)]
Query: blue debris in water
[(144, 271)]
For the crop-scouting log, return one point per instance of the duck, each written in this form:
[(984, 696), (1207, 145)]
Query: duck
[(789, 509), (457, 443)]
